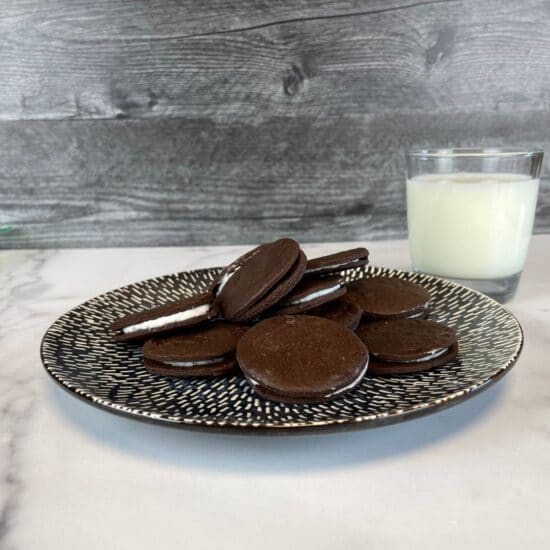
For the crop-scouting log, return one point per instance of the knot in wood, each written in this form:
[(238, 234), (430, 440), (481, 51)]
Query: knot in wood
[(293, 81)]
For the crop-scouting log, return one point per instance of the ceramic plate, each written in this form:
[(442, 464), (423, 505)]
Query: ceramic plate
[(79, 353)]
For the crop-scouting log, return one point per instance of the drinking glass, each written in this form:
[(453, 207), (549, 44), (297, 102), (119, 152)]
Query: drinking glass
[(470, 214)]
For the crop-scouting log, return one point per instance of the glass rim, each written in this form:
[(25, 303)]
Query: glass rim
[(482, 152)]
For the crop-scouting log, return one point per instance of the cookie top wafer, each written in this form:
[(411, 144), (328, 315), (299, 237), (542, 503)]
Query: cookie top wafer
[(345, 313), (334, 263), (279, 291), (399, 346), (165, 318), (212, 341), (207, 350), (231, 269), (406, 339), (302, 358), (311, 292), (388, 297), (257, 273), (390, 368)]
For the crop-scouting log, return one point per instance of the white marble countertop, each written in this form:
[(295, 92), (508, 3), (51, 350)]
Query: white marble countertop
[(72, 476)]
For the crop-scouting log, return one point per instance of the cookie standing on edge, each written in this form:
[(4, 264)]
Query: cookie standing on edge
[(207, 351), (255, 275), (281, 289), (401, 346), (334, 263), (310, 293), (230, 270), (301, 359), (388, 297), (166, 318)]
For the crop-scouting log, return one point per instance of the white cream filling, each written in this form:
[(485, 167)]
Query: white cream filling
[(314, 295), (432, 355), (354, 383), (343, 265), (417, 315), (168, 319), (194, 363), (230, 274), (224, 280)]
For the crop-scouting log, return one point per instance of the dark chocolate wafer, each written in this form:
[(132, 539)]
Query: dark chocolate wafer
[(255, 277), (311, 292), (281, 289), (334, 263), (388, 297), (390, 368), (166, 318), (205, 351), (345, 313), (407, 345), (301, 358)]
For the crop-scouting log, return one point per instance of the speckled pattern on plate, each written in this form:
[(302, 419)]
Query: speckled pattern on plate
[(79, 353)]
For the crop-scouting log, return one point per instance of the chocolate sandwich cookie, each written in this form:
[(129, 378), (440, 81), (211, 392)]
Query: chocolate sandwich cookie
[(228, 271), (388, 297), (334, 263), (400, 346), (345, 313), (279, 291), (166, 318), (204, 351), (254, 276), (301, 359), (310, 293)]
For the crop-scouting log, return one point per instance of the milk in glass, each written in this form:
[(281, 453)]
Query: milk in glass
[(470, 225)]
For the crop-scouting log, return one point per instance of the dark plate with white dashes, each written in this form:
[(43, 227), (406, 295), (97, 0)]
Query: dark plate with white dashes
[(79, 353)]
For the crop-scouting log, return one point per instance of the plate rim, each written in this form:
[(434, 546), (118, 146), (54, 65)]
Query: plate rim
[(232, 426)]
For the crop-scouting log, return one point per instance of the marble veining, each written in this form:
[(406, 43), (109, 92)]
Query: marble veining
[(72, 476), (20, 283)]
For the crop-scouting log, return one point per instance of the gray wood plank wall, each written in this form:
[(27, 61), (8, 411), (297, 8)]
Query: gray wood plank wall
[(155, 122)]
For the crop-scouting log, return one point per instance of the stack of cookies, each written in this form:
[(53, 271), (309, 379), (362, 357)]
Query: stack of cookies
[(296, 330)]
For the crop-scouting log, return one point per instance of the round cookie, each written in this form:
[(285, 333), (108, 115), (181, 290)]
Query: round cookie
[(166, 318), (310, 293), (234, 266), (301, 359), (345, 313), (281, 289), (390, 368), (334, 263), (407, 345), (258, 273), (207, 351), (388, 297)]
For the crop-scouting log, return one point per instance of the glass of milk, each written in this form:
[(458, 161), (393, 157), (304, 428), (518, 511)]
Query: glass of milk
[(470, 214)]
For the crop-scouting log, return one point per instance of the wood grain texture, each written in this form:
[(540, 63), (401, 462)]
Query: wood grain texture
[(175, 182), (227, 61), (167, 122)]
